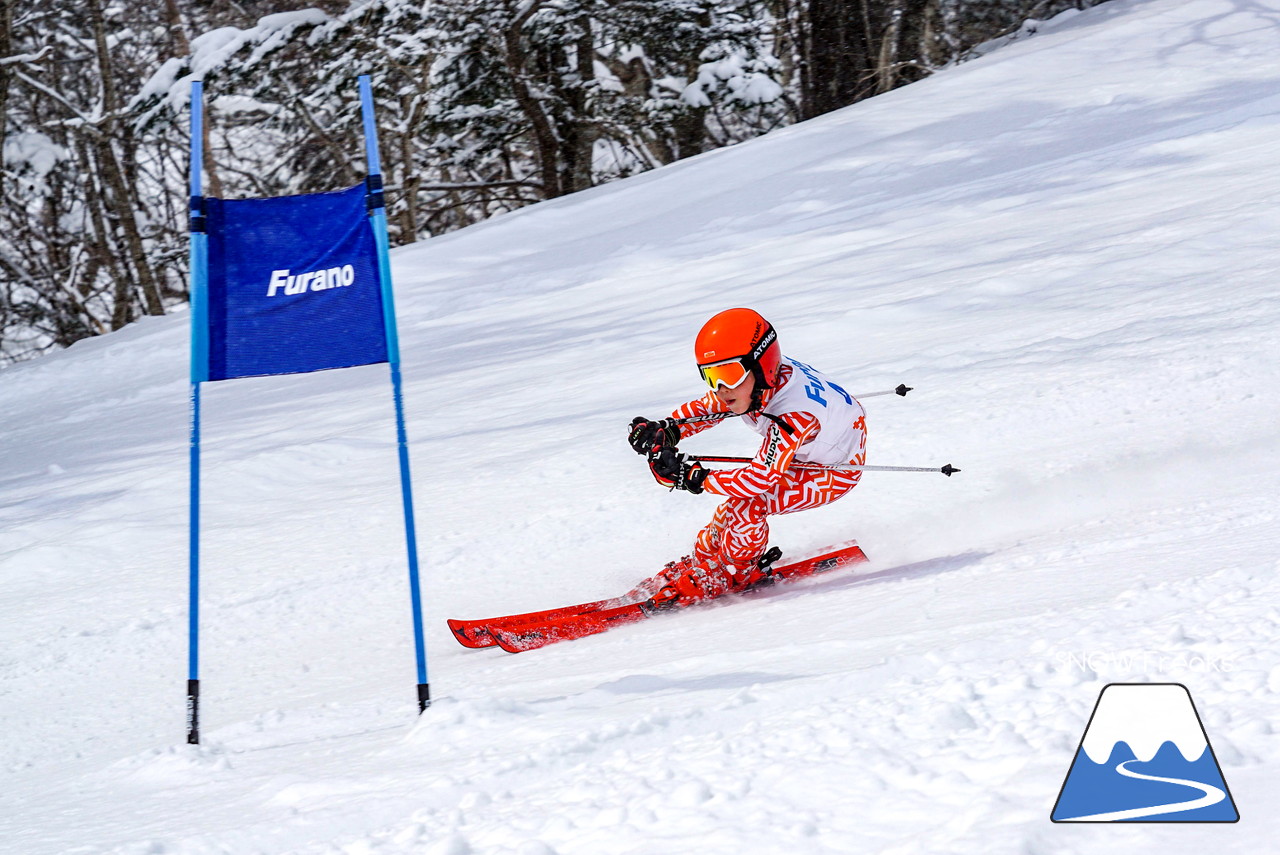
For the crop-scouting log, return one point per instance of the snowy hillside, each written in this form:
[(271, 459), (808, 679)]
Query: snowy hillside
[(1068, 247)]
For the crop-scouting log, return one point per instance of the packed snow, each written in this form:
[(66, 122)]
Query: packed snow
[(1067, 246)]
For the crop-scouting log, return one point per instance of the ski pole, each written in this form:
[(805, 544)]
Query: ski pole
[(713, 417), (842, 467), (901, 390)]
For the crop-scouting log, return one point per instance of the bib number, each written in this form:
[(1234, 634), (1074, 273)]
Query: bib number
[(816, 387)]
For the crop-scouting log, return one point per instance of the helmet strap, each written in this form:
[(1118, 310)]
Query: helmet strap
[(759, 388)]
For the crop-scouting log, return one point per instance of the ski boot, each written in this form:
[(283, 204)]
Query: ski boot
[(663, 578), (761, 574), (700, 580)]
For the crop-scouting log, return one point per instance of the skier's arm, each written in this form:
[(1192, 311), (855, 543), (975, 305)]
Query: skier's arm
[(707, 405), (771, 461)]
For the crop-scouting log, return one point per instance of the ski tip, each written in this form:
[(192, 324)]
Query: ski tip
[(470, 635)]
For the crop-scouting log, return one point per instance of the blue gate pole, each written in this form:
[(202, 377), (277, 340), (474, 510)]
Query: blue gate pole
[(378, 220), (199, 372)]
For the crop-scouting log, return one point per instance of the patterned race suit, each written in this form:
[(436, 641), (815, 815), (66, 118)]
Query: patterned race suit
[(807, 418)]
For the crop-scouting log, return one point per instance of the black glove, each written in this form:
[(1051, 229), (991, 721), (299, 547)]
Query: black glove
[(648, 437), (671, 469)]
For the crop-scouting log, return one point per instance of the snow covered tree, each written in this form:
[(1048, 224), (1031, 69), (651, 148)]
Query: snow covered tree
[(78, 243), (554, 97), (486, 106)]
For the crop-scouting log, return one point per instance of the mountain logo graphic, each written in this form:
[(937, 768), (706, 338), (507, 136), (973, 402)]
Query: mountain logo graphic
[(1145, 757)]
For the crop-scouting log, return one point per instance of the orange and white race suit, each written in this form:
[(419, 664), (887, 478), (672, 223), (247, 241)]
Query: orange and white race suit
[(808, 418)]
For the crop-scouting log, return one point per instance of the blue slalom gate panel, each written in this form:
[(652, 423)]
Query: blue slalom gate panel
[(293, 285)]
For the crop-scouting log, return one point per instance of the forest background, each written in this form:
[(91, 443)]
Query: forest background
[(484, 106)]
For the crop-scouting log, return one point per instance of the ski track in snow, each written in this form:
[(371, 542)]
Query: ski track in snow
[(1067, 247)]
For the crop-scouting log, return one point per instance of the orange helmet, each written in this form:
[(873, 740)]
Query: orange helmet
[(735, 343)]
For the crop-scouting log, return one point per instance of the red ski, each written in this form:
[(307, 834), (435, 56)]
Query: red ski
[(475, 633), (514, 636)]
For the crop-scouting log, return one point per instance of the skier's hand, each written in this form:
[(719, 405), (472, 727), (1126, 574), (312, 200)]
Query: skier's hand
[(648, 437), (672, 470)]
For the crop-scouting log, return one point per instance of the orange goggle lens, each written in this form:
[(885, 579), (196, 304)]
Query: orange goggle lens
[(729, 374)]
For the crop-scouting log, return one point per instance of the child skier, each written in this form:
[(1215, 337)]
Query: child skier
[(803, 416)]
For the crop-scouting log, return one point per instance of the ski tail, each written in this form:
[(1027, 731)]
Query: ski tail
[(844, 556)]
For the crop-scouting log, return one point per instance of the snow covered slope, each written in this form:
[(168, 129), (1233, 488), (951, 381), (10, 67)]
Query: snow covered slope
[(1068, 247)]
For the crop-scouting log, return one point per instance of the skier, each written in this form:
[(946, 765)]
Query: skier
[(803, 417)]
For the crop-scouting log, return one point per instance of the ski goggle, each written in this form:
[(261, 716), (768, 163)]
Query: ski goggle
[(730, 373)]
